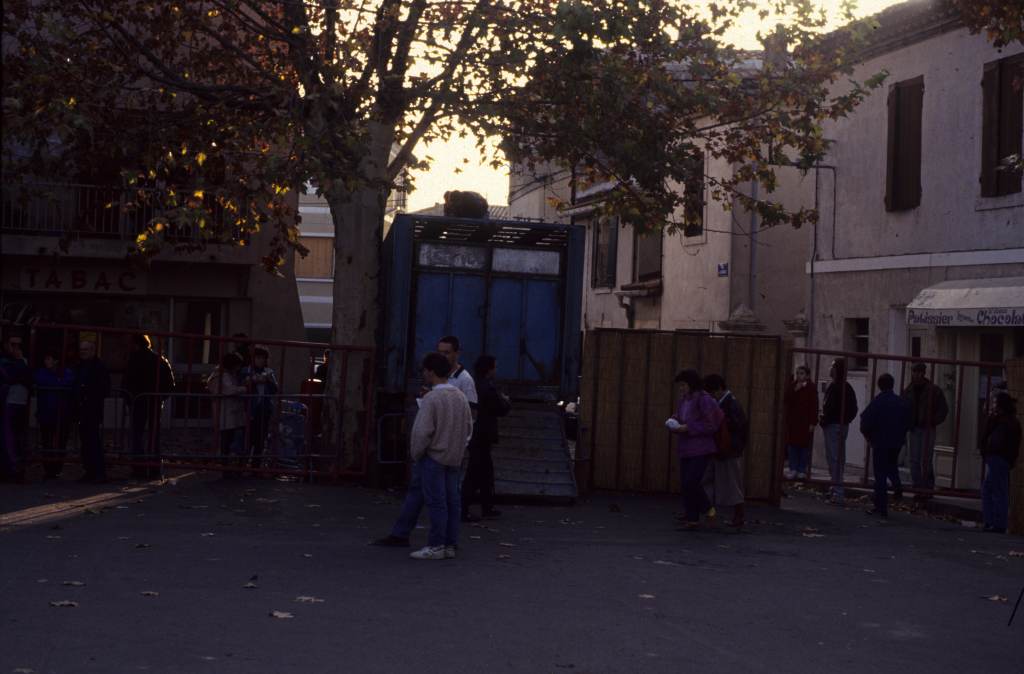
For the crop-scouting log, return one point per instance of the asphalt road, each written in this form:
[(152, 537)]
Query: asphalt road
[(604, 586)]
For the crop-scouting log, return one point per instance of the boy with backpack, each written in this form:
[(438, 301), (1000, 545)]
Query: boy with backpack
[(724, 478)]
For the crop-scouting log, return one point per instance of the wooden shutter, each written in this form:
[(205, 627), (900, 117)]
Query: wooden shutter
[(890, 149), (903, 156), (319, 262), (989, 128), (1011, 116)]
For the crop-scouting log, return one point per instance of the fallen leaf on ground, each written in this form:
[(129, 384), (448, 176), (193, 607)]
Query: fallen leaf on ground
[(64, 603), (312, 505), (663, 562), (250, 586), (475, 538), (996, 597), (73, 583), (360, 517), (281, 614), (507, 545), (54, 538), (149, 593), (123, 538), (968, 524), (869, 570), (810, 535), (42, 580), (142, 546), (638, 557), (23, 670), (303, 599), (645, 596), (504, 556), (267, 500), (306, 555), (1016, 553), (207, 533)]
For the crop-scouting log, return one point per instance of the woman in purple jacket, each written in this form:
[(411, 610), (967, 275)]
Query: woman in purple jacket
[(695, 422)]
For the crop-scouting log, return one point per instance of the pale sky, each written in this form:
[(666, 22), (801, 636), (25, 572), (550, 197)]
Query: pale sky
[(476, 175)]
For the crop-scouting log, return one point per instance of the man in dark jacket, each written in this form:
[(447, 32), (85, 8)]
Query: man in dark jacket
[(491, 404), (884, 424), (148, 378), (928, 410), (91, 388), (839, 410)]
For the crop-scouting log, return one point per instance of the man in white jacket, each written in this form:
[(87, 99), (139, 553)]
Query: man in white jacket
[(437, 444)]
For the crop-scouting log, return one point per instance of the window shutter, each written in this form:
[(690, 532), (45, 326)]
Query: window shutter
[(890, 149), (989, 128), (613, 251), (911, 108), (1011, 115)]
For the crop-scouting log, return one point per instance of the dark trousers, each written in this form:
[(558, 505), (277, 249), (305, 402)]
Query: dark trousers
[(17, 425), (260, 427), (91, 439), (886, 465), (53, 436), (479, 478), (691, 478), (146, 434)]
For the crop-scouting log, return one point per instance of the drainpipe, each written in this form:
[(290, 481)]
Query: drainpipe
[(752, 288)]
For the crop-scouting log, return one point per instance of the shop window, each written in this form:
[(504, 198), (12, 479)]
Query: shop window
[(605, 252), (903, 165), (319, 262), (1002, 125), (858, 334), (647, 248)]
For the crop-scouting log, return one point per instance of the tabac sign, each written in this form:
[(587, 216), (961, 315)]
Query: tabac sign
[(1002, 317), (74, 279)]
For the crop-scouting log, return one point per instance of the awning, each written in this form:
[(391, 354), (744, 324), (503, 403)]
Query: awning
[(995, 302)]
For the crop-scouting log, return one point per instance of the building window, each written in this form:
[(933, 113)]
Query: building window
[(693, 199), (915, 347), (858, 334), (647, 255), (606, 246), (903, 165), (319, 262), (1002, 125)]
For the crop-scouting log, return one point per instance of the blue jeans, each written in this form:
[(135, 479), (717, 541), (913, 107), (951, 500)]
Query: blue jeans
[(799, 459), (995, 492), (691, 478), (922, 451), (835, 451), (437, 487)]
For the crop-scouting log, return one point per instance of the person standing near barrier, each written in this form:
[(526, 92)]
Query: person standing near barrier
[(19, 382), (148, 379), (800, 405), (458, 377), (928, 410), (90, 390), (437, 444), (724, 478), (229, 406), (480, 472), (695, 422), (53, 412), (1000, 448), (839, 410), (262, 383), (884, 423)]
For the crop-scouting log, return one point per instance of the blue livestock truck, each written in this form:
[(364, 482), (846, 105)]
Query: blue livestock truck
[(508, 288)]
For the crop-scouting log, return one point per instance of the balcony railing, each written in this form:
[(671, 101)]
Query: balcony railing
[(99, 211)]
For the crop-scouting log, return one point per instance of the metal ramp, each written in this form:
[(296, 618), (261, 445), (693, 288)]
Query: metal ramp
[(532, 456)]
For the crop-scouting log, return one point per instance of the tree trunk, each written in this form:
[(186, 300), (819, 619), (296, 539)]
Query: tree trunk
[(358, 218)]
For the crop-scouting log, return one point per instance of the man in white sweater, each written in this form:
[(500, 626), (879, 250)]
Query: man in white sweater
[(437, 444)]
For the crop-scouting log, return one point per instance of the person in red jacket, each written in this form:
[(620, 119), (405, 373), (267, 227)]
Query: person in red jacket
[(800, 406)]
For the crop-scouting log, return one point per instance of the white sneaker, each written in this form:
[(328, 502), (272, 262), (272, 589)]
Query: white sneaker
[(449, 551), (788, 474), (429, 552)]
